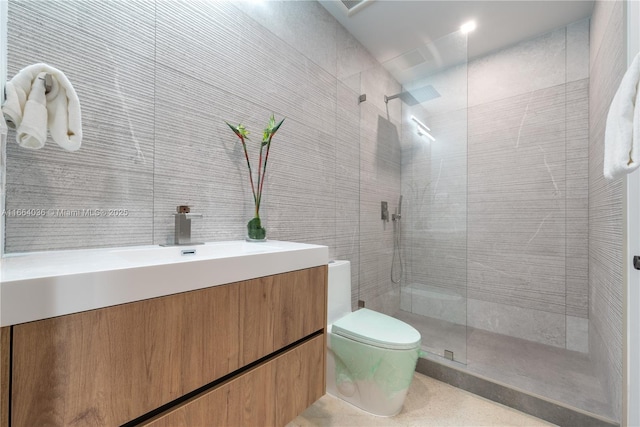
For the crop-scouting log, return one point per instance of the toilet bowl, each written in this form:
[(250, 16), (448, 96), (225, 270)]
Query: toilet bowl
[(371, 357)]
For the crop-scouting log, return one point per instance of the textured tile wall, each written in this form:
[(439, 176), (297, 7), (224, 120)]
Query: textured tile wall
[(156, 81), (380, 166), (608, 63), (111, 67)]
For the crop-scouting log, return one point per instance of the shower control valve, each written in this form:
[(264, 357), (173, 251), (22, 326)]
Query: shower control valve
[(384, 211)]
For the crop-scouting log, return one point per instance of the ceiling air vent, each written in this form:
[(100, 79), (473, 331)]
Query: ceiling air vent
[(351, 3), (354, 6)]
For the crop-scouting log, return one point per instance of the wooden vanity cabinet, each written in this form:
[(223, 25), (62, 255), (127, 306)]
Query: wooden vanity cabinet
[(110, 366)]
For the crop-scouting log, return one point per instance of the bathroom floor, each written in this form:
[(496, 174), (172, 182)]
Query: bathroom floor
[(558, 374), (429, 403)]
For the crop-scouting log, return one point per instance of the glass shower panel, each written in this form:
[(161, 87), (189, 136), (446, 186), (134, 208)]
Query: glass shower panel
[(433, 293)]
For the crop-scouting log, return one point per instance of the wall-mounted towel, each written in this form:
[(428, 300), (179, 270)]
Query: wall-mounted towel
[(622, 134), (31, 111)]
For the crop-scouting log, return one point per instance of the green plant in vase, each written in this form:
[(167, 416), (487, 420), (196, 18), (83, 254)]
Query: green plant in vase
[(255, 230)]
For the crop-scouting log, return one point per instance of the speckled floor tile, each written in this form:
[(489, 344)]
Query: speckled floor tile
[(429, 403)]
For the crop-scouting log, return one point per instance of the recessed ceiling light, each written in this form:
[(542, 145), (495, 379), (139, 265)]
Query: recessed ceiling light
[(467, 27)]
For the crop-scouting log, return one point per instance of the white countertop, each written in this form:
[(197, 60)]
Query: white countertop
[(39, 285)]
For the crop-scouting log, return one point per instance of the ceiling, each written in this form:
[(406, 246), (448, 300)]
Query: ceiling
[(390, 28)]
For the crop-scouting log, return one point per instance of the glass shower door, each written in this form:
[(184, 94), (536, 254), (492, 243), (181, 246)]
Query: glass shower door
[(433, 295)]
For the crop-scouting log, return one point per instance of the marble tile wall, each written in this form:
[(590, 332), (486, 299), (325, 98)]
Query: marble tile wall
[(607, 66), (528, 201), (523, 161), (156, 82)]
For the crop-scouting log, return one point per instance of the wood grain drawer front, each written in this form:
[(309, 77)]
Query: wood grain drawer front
[(109, 366), (272, 394), (106, 367), (279, 310)]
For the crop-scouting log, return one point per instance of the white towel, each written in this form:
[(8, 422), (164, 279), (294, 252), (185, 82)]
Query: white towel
[(31, 111), (622, 133)]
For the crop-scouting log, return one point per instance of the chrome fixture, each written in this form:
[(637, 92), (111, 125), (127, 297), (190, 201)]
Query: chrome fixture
[(396, 216), (384, 211), (415, 96), (183, 226), (397, 254)]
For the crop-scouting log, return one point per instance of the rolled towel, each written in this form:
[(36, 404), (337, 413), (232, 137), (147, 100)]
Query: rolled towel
[(32, 132), (62, 108), (622, 132)]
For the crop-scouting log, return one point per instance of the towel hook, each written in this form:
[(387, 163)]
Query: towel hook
[(48, 83)]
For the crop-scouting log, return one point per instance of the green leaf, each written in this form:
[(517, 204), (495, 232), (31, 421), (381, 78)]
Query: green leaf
[(275, 129), (239, 130), (271, 129)]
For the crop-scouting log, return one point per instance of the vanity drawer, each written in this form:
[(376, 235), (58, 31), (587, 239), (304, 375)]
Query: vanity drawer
[(271, 394)]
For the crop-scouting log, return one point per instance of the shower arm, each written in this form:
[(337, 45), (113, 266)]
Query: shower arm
[(389, 98)]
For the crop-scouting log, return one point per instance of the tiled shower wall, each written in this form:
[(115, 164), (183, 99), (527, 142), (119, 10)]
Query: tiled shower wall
[(528, 197), (521, 189), (608, 64), (157, 80)]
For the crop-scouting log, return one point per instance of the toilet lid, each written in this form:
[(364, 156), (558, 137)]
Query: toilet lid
[(377, 329)]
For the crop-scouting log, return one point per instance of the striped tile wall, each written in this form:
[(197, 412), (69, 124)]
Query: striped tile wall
[(156, 82), (608, 63)]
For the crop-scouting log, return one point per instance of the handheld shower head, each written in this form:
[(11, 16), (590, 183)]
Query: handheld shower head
[(396, 216)]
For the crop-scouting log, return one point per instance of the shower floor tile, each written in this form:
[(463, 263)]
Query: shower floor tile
[(438, 335), (558, 374)]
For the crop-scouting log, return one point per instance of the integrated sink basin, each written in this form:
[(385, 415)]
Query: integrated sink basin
[(163, 254), (39, 285)]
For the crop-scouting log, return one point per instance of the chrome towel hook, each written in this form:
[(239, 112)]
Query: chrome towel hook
[(48, 83)]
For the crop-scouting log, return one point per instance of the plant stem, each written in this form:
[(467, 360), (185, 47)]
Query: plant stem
[(246, 156), (264, 173), (260, 178)]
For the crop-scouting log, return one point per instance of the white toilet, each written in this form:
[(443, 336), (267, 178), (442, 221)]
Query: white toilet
[(371, 356)]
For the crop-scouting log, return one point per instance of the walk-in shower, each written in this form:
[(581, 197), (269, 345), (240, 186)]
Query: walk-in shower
[(483, 256)]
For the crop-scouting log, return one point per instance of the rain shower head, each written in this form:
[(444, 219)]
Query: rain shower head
[(415, 96)]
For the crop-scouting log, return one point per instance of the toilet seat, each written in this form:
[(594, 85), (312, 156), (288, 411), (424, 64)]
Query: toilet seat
[(377, 329)]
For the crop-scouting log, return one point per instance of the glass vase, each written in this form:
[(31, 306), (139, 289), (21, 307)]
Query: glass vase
[(255, 231)]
